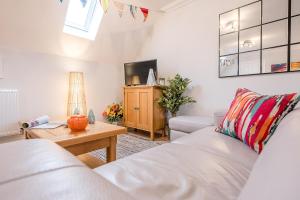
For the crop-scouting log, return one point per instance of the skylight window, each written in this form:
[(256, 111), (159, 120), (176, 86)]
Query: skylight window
[(83, 18)]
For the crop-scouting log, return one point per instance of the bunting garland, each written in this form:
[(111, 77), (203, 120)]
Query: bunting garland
[(133, 10), (83, 2), (104, 4), (120, 7), (145, 12)]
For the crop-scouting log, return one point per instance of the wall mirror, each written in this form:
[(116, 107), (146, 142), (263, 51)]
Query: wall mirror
[(229, 22), (229, 65), (274, 10), (229, 44), (295, 57), (295, 7), (262, 37), (250, 15)]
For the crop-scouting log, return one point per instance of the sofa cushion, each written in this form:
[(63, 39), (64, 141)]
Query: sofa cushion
[(253, 118), (276, 173), (39, 169), (178, 171), (30, 157), (221, 145), (189, 124), (174, 135)]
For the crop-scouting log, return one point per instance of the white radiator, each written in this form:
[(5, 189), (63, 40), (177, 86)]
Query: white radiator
[(9, 112)]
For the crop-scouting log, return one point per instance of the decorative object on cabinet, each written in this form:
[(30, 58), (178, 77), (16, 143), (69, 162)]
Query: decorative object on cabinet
[(142, 111), (151, 78), (262, 37), (76, 98), (113, 113), (172, 97), (162, 81), (91, 116)]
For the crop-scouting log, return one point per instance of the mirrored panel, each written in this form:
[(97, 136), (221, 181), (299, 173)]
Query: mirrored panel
[(250, 39), (295, 35), (295, 57), (229, 44), (274, 60), (274, 10), (250, 15), (249, 63), (295, 7), (275, 34), (229, 66), (229, 22)]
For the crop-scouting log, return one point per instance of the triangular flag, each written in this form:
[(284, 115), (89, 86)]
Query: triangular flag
[(83, 2), (145, 12), (120, 7), (133, 10), (104, 4)]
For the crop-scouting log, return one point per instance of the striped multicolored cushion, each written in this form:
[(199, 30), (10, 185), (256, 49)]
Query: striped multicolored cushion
[(253, 118)]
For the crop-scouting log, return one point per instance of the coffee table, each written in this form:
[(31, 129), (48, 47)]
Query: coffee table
[(97, 136)]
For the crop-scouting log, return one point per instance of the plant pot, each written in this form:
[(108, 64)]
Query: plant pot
[(115, 123)]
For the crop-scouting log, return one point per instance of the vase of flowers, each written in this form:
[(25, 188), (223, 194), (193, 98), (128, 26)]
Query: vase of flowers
[(113, 113)]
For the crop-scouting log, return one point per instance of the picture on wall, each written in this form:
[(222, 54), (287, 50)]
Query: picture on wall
[(279, 68), (295, 66), (262, 37)]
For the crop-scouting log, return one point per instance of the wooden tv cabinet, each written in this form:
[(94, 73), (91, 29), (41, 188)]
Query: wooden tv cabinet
[(141, 109)]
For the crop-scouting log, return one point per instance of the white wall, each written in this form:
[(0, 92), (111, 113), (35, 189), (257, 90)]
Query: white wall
[(42, 80), (185, 41), (37, 57)]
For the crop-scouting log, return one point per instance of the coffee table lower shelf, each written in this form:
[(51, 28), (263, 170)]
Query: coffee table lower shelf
[(91, 161)]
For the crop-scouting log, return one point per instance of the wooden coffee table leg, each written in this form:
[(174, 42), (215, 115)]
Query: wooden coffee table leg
[(111, 151)]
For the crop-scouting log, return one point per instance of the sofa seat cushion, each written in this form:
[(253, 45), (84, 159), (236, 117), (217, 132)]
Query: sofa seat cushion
[(174, 135), (39, 169), (65, 184), (221, 145), (189, 124), (26, 158), (177, 171)]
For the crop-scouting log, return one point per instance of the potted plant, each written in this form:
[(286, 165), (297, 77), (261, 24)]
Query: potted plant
[(173, 97), (113, 113)]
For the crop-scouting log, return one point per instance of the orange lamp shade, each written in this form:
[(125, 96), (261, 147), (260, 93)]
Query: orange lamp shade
[(77, 123)]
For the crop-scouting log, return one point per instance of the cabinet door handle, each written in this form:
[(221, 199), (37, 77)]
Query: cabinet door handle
[(136, 108)]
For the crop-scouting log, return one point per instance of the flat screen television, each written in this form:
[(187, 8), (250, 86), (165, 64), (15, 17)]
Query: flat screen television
[(136, 73)]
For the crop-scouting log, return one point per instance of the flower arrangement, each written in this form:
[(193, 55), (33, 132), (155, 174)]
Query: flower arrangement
[(113, 113)]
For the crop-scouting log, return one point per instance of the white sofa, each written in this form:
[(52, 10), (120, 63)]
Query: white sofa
[(202, 166), (210, 166), (183, 125)]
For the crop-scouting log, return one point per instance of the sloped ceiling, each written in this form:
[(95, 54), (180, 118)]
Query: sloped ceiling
[(35, 25)]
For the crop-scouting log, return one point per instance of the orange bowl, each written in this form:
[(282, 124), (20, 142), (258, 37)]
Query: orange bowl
[(78, 123)]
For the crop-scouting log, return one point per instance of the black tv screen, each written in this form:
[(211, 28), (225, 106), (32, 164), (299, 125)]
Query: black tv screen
[(136, 73)]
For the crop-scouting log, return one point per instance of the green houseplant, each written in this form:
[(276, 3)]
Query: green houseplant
[(173, 97)]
